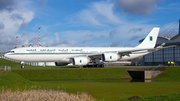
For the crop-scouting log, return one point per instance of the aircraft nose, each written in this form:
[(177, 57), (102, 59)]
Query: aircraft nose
[(6, 55)]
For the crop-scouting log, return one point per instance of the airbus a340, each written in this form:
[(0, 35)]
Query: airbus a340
[(82, 56)]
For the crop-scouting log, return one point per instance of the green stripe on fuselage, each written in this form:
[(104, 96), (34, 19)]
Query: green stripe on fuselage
[(62, 53), (48, 53)]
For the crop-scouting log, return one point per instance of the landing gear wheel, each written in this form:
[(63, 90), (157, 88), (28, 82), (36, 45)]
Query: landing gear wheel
[(95, 66), (22, 66), (85, 66), (102, 66)]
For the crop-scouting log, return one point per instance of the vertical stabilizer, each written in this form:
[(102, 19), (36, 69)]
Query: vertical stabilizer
[(150, 40)]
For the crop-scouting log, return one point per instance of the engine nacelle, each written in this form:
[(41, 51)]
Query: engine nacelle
[(110, 57), (80, 61), (61, 64)]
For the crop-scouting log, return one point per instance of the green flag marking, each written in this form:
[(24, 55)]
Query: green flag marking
[(151, 38)]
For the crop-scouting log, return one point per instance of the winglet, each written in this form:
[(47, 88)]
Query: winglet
[(150, 40)]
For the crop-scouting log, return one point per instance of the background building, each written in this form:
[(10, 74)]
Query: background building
[(170, 53)]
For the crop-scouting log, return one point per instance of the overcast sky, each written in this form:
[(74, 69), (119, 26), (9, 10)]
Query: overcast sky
[(83, 23)]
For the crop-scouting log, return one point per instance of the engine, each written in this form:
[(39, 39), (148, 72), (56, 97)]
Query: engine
[(109, 57), (61, 63), (80, 61)]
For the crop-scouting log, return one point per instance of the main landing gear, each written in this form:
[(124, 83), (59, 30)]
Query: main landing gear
[(95, 65)]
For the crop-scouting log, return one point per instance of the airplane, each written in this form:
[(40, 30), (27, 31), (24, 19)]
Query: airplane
[(82, 56)]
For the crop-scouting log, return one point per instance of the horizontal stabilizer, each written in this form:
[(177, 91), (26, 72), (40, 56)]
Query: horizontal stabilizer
[(161, 46)]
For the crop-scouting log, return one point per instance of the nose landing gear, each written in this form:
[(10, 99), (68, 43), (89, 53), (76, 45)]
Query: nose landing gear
[(22, 65)]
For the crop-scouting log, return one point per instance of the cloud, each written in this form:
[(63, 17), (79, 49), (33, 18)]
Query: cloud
[(170, 7), (98, 14), (134, 37), (112, 33), (62, 43), (13, 17), (45, 36), (114, 25), (16, 17), (129, 45), (42, 3), (98, 38), (57, 36), (24, 34), (23, 25), (87, 16), (12, 24), (88, 37), (8, 5), (137, 7), (114, 44), (34, 40), (8, 41), (2, 25), (135, 30)]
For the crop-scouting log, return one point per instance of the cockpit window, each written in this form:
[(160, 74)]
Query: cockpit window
[(11, 51)]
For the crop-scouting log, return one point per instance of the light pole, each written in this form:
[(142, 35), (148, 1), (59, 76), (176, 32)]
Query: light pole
[(39, 37)]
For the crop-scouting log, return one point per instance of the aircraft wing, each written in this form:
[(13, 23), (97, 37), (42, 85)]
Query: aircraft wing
[(127, 51), (121, 52)]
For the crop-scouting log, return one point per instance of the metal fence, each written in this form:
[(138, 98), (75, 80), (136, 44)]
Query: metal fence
[(5, 68)]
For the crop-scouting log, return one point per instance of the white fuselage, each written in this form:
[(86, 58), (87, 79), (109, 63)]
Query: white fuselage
[(82, 56), (63, 54)]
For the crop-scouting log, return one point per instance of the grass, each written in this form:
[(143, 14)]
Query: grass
[(101, 83), (73, 74), (99, 89), (171, 74), (4, 62), (114, 90), (11, 80)]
